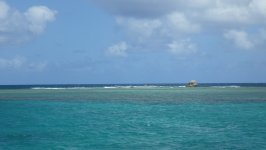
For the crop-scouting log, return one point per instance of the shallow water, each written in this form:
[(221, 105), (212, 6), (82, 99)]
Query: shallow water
[(133, 118)]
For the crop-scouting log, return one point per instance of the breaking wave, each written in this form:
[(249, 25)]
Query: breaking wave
[(59, 88), (230, 86), (129, 87)]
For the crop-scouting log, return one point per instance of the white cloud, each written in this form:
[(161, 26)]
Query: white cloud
[(220, 11), (14, 63), (119, 49), (178, 23), (171, 25), (4, 8), (156, 22), (142, 27), (239, 12), (240, 39), (182, 47), (229, 14), (16, 26), (38, 17), (146, 33), (258, 7), (21, 63)]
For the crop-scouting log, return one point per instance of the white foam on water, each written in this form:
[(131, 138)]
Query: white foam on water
[(110, 87), (182, 86), (230, 86), (58, 88), (133, 86)]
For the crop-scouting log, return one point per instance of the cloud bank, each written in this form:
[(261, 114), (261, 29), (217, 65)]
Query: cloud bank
[(172, 22), (16, 26), (240, 39)]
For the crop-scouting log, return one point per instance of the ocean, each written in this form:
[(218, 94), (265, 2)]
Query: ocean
[(133, 116)]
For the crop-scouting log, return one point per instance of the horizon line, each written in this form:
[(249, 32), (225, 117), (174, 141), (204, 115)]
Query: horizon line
[(129, 83)]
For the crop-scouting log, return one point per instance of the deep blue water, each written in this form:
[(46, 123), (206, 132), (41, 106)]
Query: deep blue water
[(230, 116)]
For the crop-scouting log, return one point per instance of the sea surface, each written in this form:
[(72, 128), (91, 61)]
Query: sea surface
[(140, 116)]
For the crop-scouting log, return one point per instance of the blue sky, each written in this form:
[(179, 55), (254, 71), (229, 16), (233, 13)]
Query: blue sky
[(132, 41)]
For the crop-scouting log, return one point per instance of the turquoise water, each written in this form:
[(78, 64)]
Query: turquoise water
[(133, 118)]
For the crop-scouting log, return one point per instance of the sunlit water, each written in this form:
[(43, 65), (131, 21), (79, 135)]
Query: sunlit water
[(133, 118)]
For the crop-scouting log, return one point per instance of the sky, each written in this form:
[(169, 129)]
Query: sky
[(132, 41)]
